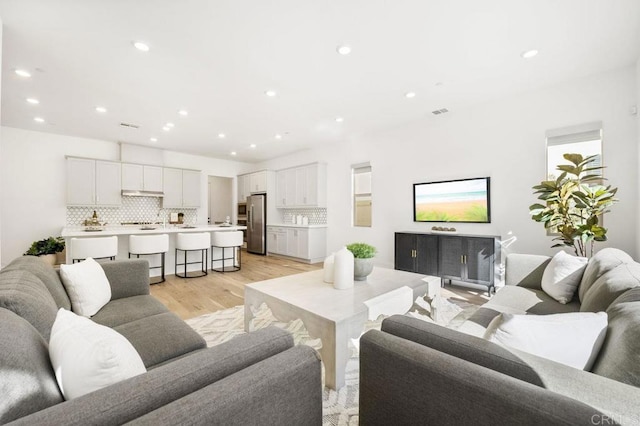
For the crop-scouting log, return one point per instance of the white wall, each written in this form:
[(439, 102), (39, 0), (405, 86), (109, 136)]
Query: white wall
[(637, 105), (32, 166), (504, 139), (221, 200)]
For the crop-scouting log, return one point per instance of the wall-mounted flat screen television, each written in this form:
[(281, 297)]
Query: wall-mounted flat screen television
[(462, 200)]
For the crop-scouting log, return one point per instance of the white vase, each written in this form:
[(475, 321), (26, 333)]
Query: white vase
[(343, 269), (328, 268)]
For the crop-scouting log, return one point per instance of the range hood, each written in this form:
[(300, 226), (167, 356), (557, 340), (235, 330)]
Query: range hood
[(137, 193)]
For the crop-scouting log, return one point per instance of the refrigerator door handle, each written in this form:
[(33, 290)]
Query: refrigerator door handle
[(251, 218)]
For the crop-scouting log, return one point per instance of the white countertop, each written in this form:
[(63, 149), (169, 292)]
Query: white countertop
[(293, 225), (78, 231)]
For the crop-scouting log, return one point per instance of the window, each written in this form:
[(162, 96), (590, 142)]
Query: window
[(585, 139), (361, 178)]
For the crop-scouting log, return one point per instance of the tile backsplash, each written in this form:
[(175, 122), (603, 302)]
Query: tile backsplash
[(133, 209), (317, 216)]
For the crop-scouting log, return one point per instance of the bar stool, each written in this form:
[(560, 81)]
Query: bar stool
[(97, 248), (149, 245), (226, 240), (193, 242)]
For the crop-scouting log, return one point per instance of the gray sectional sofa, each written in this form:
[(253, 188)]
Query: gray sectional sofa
[(414, 372), (256, 378)]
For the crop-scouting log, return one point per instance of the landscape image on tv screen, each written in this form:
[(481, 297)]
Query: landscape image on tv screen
[(465, 200)]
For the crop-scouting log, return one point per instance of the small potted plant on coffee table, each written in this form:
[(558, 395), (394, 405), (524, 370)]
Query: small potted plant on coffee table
[(46, 249), (363, 263)]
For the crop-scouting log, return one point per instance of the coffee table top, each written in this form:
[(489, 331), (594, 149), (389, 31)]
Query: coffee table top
[(309, 292)]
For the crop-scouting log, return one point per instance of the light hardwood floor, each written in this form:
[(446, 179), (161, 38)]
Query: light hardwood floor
[(189, 298)]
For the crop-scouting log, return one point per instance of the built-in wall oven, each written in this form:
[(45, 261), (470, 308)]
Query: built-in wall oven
[(242, 218)]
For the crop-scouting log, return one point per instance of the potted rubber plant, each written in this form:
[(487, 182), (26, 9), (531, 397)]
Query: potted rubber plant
[(573, 204), (362, 263), (46, 249)]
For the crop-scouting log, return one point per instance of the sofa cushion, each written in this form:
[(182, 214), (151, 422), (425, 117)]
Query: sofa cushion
[(24, 293), (573, 339), (619, 358), (122, 311), (562, 276), (47, 275), (87, 286), (601, 262), (27, 381), (609, 286), (160, 337), (87, 356)]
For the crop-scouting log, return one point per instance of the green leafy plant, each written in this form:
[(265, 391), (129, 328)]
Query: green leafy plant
[(574, 204), (51, 245), (362, 250)]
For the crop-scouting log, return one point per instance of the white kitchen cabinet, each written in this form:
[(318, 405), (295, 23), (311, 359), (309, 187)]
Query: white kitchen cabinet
[(152, 178), (190, 188), (242, 196), (181, 188), (301, 243), (258, 182), (93, 182), (303, 186), (132, 177), (172, 187)]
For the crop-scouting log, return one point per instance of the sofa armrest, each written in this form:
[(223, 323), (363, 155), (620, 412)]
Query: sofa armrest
[(127, 277), (464, 346), (525, 270), (403, 382), (137, 396), (285, 389)]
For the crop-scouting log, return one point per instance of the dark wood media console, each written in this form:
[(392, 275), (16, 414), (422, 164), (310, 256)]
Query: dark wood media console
[(464, 258)]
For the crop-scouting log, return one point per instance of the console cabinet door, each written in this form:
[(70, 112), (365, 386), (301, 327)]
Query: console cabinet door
[(451, 257), (479, 260), (427, 254), (405, 247)]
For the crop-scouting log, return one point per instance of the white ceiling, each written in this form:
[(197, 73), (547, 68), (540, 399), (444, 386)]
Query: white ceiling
[(217, 58)]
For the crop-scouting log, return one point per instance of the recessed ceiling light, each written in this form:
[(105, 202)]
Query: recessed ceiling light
[(153, 139), (142, 46), (234, 153), (33, 101), (221, 135), (528, 54), (253, 145), (166, 128), (270, 93), (339, 119), (39, 119), (23, 73), (278, 136), (101, 109), (410, 95), (170, 125), (183, 112), (439, 84), (343, 50)]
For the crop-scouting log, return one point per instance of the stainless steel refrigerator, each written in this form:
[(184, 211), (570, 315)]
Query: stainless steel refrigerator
[(257, 224)]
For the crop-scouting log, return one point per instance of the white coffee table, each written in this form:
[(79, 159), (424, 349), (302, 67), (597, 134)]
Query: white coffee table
[(333, 315)]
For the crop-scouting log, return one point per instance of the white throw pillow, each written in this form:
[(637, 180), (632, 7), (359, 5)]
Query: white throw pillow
[(573, 338), (87, 356), (562, 276), (87, 286)]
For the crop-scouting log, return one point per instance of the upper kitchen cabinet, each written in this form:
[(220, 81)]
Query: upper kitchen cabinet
[(181, 188), (303, 186), (258, 181), (136, 177), (93, 182)]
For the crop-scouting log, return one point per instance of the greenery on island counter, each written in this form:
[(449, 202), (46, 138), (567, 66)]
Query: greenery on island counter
[(51, 245), (574, 204), (362, 250)]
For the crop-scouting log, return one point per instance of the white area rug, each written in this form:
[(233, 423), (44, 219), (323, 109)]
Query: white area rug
[(338, 407)]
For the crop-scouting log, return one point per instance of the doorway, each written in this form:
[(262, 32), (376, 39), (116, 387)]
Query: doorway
[(220, 199)]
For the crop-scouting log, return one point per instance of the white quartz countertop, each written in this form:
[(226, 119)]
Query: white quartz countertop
[(293, 225), (79, 231)]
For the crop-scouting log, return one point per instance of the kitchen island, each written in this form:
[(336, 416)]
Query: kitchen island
[(123, 232)]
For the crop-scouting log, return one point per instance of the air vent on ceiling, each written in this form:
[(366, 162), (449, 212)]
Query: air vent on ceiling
[(130, 126), (439, 111)]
